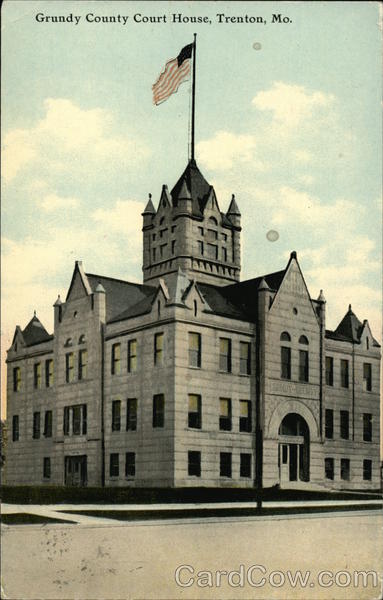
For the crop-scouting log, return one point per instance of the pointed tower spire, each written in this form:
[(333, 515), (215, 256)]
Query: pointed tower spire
[(233, 208), (149, 209)]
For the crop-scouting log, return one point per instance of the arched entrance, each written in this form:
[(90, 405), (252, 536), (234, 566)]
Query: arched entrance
[(293, 449)]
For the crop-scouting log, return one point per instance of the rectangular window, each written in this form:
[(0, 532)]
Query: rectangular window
[(132, 356), (154, 253), (163, 232), (76, 416), (344, 424), (329, 468), (367, 427), (225, 464), (200, 247), (224, 254), (49, 373), (75, 419), (15, 428), (116, 359), (345, 469), (194, 349), (174, 227), (114, 465), (303, 365), (212, 251), (37, 375), (48, 424), (225, 355), (47, 467), (367, 378), (245, 465), (285, 362), (194, 463), (162, 250), (329, 424), (66, 421), (116, 415), (158, 348), (224, 237), (367, 470), (195, 412), (329, 370), (158, 410), (131, 414), (200, 231), (244, 358), (130, 464), (212, 234), (245, 415), (344, 373), (36, 425), (225, 414), (173, 246), (82, 364), (16, 379), (69, 367)]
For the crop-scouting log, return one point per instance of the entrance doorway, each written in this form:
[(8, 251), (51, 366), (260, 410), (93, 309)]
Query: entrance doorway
[(75, 471), (294, 449)]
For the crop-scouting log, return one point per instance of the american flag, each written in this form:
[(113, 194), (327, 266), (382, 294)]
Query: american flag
[(175, 72)]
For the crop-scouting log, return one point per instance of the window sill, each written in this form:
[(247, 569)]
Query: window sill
[(194, 368)]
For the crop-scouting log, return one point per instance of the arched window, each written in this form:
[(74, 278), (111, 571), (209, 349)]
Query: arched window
[(68, 342), (303, 340), (158, 308), (81, 339), (285, 356), (367, 343), (162, 220), (213, 221)]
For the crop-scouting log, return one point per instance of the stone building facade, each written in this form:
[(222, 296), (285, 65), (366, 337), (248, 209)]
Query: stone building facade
[(193, 378)]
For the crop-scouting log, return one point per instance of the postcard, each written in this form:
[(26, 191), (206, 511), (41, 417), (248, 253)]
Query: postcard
[(191, 300)]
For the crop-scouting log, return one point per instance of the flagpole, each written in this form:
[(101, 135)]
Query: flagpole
[(193, 99)]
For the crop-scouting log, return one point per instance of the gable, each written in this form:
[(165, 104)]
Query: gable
[(79, 286), (293, 294)]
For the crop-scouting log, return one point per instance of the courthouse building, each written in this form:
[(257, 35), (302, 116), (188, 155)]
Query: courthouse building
[(193, 378)]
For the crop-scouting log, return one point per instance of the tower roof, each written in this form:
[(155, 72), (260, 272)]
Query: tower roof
[(35, 332), (350, 327), (233, 208), (196, 185), (149, 208)]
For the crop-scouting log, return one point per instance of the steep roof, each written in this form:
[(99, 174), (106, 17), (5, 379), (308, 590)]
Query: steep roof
[(120, 295), (245, 294), (219, 302), (196, 185), (349, 329), (35, 333)]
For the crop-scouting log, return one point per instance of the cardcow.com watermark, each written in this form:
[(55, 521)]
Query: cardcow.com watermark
[(257, 576)]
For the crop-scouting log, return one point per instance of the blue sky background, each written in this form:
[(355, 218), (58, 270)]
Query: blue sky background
[(293, 129)]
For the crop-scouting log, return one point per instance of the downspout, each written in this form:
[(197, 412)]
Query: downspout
[(102, 405), (353, 391), (258, 428), (321, 347)]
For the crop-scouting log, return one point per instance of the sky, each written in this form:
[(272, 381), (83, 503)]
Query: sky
[(288, 117)]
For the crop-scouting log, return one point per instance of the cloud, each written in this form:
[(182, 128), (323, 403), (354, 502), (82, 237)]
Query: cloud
[(292, 105), (225, 149), (53, 202), (303, 208), (69, 138)]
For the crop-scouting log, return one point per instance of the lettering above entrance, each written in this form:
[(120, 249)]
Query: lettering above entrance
[(290, 388)]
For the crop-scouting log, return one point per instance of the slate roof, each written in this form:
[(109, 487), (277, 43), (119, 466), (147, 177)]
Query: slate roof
[(197, 186), (35, 333), (348, 330), (245, 294), (121, 296)]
